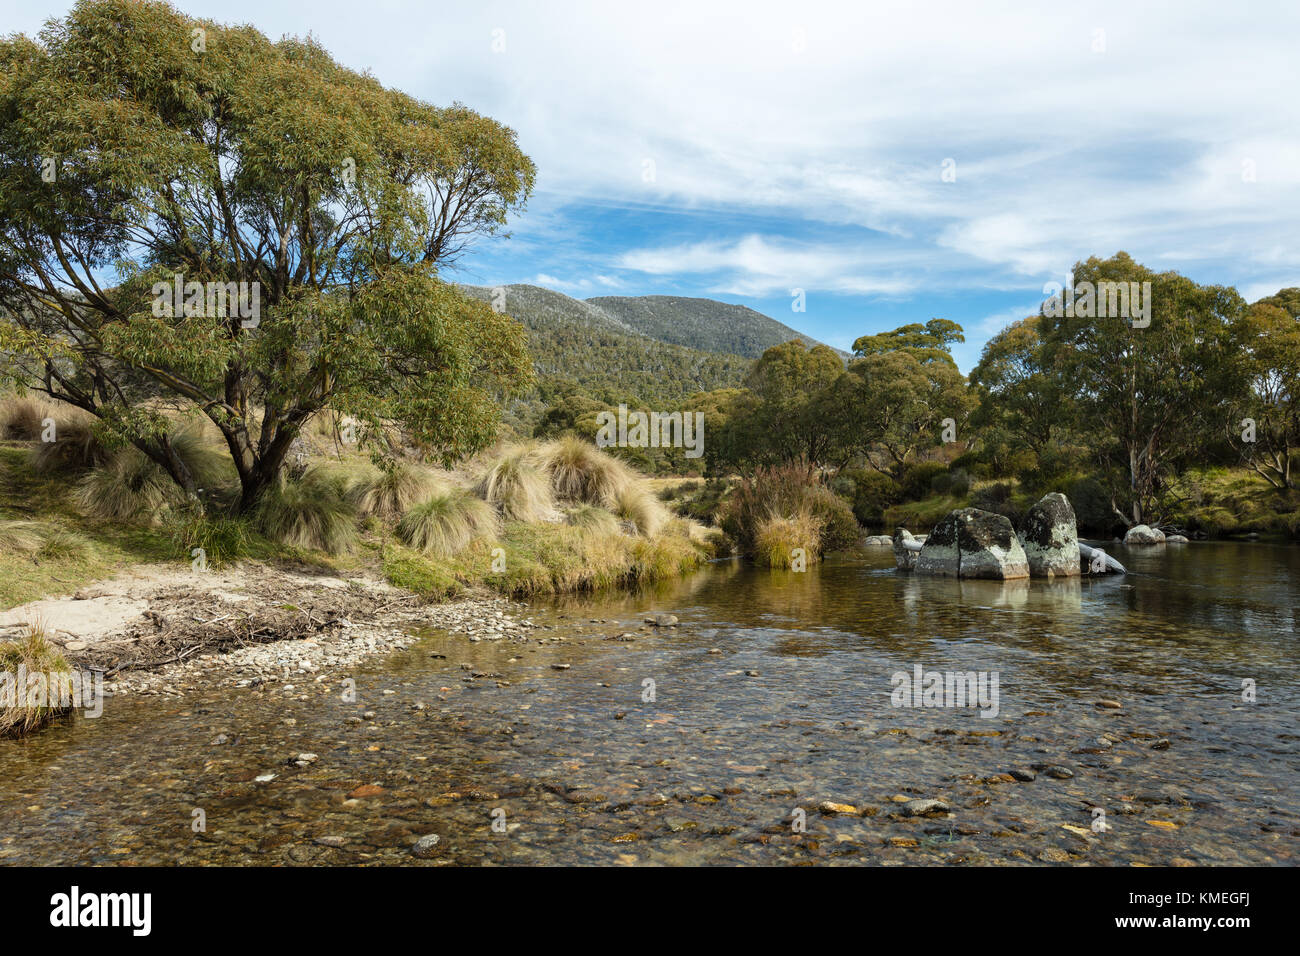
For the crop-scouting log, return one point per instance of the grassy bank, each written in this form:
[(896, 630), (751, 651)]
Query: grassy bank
[(522, 520)]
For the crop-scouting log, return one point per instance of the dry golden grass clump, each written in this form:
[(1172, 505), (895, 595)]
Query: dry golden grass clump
[(593, 519), (131, 486), (33, 654), (637, 504), (516, 484), (776, 538), (391, 492), (40, 540), (581, 472), (22, 417), (447, 523)]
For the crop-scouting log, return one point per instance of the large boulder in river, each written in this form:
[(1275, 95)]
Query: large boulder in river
[(970, 543), (1051, 538), (1142, 534), (905, 557)]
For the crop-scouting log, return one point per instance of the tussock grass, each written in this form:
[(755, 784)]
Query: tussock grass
[(582, 472), (594, 519), (311, 513), (131, 486), (446, 523), (34, 653), (22, 417), (777, 536), (391, 492), (637, 504), (76, 447), (516, 484), (21, 537)]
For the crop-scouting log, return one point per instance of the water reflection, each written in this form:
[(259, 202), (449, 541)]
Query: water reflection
[(772, 692)]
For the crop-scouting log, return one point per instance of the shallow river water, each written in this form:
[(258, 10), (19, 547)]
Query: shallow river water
[(718, 740)]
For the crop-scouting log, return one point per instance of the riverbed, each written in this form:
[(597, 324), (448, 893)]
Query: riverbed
[(1141, 720)]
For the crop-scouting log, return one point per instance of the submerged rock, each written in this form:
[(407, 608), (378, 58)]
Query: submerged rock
[(1175, 539), (1051, 538), (970, 543), (1144, 534), (905, 556)]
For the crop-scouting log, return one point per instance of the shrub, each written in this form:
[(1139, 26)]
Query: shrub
[(517, 486), (786, 491), (955, 482), (310, 512), (582, 472), (447, 523), (635, 503), (873, 492), (390, 492), (34, 653), (777, 537), (917, 480)]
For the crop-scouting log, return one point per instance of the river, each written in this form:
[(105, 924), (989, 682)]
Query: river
[(717, 741)]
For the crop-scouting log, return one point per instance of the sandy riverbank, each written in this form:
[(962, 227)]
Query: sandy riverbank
[(160, 630)]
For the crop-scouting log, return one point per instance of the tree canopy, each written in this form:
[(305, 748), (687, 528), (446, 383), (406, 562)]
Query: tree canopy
[(138, 144)]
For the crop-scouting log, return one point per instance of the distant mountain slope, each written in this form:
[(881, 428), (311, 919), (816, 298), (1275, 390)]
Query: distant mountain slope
[(580, 341), (699, 323)]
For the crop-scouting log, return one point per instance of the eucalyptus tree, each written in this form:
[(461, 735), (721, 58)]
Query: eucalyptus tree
[(1151, 385), (148, 158)]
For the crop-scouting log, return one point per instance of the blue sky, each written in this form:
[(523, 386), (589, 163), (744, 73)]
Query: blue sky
[(742, 150)]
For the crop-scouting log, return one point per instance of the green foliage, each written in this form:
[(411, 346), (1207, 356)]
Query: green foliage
[(223, 540), (1146, 398), (927, 343), (871, 494), (918, 480)]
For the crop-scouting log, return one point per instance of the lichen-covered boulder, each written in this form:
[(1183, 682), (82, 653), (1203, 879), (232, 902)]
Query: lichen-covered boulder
[(905, 557), (970, 543), (1051, 538), (1142, 534)]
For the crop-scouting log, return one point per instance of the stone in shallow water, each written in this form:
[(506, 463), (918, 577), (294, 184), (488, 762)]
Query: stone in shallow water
[(904, 557), (970, 543), (1051, 538), (1143, 534), (924, 808)]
